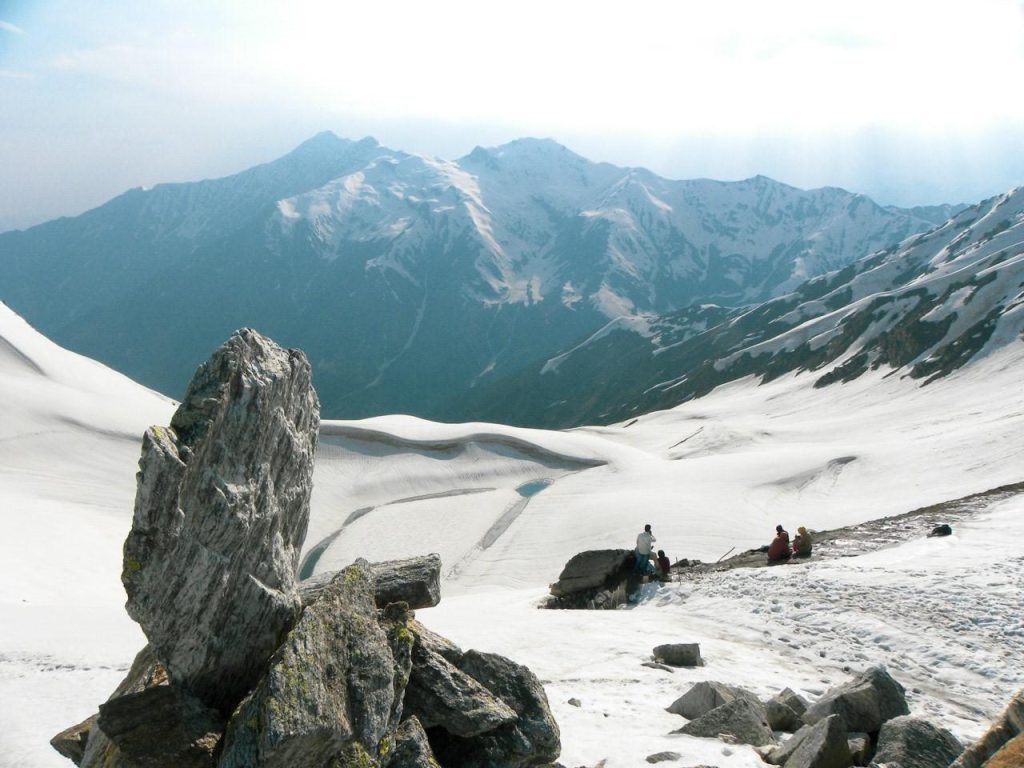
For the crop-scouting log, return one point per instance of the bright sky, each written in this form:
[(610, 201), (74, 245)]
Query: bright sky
[(909, 101)]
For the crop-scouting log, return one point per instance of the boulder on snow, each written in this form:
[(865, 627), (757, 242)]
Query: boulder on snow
[(704, 697), (785, 711), (822, 745), (220, 515), (532, 739), (663, 757), (1008, 725), (861, 748), (742, 718), (331, 688), (71, 742), (679, 654), (415, 581), (162, 727), (864, 703), (915, 743), (600, 578)]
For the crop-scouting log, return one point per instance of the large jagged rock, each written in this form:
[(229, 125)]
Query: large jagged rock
[(912, 742), (533, 739), (785, 711), (1007, 726), (600, 578), (742, 718), (162, 727), (679, 654), (330, 691), (706, 696), (822, 745), (1010, 755), (441, 695), (220, 514), (864, 703), (71, 742), (415, 581)]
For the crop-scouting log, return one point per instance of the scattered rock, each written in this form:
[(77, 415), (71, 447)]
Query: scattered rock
[(220, 516), (330, 688), (822, 745), (706, 696), (574, 702), (679, 654), (864, 703), (663, 757), (915, 743), (415, 581), (1004, 728), (162, 727), (941, 530), (741, 717), (660, 667), (785, 711)]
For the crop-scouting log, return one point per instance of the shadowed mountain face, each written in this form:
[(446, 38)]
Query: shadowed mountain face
[(412, 283), (923, 310)]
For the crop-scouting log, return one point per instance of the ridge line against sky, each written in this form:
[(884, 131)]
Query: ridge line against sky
[(909, 102)]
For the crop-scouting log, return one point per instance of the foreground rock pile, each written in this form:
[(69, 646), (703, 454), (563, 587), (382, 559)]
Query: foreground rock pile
[(247, 668)]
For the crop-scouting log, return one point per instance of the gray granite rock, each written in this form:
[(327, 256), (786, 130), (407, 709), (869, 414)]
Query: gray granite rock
[(329, 693), (441, 695), (1007, 726), (743, 719), (663, 757), (706, 696), (785, 711), (915, 743), (71, 742), (592, 570), (415, 581), (162, 727), (533, 739), (864, 703), (679, 654), (411, 748), (220, 514), (822, 745), (861, 748)]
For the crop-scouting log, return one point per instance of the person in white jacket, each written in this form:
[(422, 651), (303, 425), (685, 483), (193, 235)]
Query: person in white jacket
[(644, 547)]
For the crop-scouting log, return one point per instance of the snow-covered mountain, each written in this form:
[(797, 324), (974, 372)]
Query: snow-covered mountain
[(507, 506), (411, 280), (921, 309)]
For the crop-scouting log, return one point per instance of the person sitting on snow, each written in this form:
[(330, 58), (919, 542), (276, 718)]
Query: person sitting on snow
[(663, 565), (778, 550), (642, 553), (802, 543)]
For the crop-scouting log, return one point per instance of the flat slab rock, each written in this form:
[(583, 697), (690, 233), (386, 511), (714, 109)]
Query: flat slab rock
[(591, 570)]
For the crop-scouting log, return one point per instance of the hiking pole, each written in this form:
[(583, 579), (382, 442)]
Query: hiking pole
[(723, 556)]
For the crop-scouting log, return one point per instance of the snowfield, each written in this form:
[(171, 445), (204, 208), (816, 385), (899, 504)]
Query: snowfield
[(506, 507)]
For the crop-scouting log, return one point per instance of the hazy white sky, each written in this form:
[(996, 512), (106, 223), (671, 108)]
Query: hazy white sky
[(909, 101)]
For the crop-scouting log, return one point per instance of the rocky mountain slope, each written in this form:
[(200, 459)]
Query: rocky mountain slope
[(410, 281), (921, 310)]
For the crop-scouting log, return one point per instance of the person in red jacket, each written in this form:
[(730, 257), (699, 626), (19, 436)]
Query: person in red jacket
[(778, 550), (664, 566)]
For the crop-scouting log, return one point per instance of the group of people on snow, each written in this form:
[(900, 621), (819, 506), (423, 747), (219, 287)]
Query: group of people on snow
[(781, 549), (642, 555)]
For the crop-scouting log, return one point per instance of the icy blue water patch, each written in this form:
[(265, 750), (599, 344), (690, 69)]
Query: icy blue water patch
[(526, 490)]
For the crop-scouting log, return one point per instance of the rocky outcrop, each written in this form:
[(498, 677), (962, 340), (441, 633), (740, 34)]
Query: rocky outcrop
[(911, 742), (600, 578), (1007, 726), (864, 703), (220, 516), (1010, 755), (822, 745), (312, 681), (679, 654), (741, 718), (330, 686), (415, 581), (785, 711), (706, 696)]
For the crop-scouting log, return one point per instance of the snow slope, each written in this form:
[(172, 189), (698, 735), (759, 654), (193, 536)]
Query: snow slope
[(506, 507)]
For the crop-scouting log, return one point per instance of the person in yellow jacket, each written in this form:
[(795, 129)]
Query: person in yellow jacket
[(802, 542)]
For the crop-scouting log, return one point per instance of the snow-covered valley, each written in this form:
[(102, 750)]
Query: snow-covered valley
[(506, 507)]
